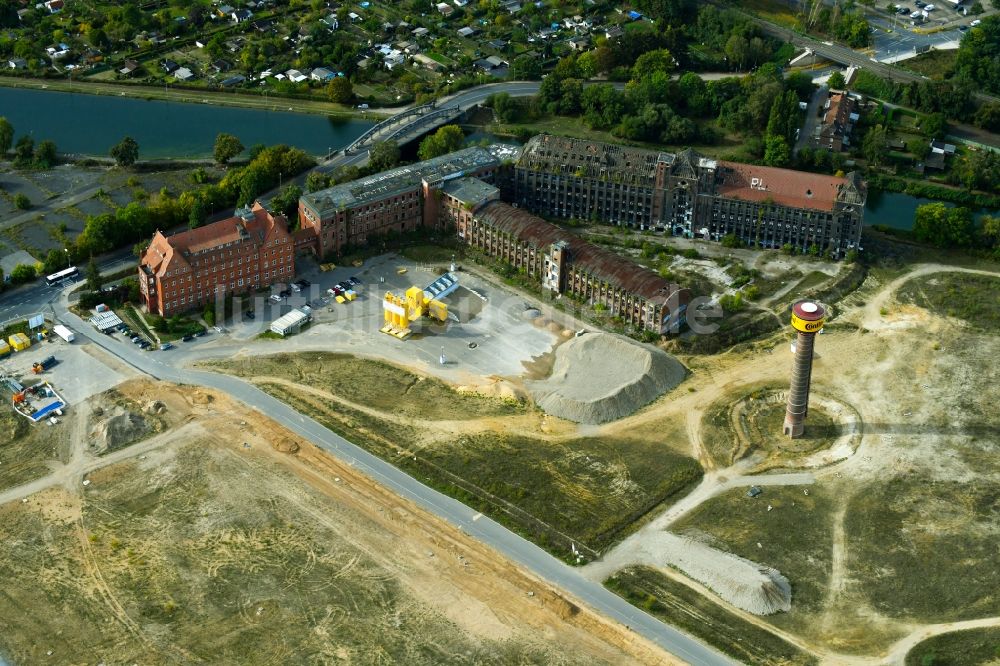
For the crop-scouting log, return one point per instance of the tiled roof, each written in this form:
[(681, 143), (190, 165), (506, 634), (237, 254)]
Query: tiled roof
[(165, 252), (592, 259), (783, 186)]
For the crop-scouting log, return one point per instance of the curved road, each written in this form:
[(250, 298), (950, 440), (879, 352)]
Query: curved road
[(531, 557)]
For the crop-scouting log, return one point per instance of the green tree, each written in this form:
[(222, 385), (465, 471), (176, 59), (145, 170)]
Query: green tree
[(874, 144), (6, 135), (94, 279), (935, 125), (776, 151), (21, 201), (526, 68), (651, 62), (227, 147), (919, 147), (446, 140), (340, 90), (383, 155), (23, 273), (45, 155), (977, 8), (316, 181), (836, 81), (942, 226), (24, 151), (287, 201), (125, 152)]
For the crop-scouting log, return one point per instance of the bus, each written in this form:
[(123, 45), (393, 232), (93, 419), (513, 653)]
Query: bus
[(66, 274)]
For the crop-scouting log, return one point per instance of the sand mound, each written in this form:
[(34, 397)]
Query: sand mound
[(598, 377), (119, 429), (755, 588)]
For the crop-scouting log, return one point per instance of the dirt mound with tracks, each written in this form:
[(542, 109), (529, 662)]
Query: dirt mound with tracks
[(598, 377)]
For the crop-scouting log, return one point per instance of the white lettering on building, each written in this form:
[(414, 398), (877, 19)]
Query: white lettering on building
[(757, 184)]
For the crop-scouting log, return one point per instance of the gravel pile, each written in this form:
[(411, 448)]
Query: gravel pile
[(755, 588), (121, 428), (598, 377)]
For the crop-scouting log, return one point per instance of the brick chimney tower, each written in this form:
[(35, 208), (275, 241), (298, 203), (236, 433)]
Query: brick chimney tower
[(807, 320)]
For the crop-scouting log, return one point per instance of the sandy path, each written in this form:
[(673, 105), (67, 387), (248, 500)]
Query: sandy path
[(871, 317), (897, 654)]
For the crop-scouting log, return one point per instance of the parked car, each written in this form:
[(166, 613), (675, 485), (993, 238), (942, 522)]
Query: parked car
[(354, 281), (275, 298), (199, 334), (920, 4), (250, 314), (975, 23), (929, 8), (165, 346), (295, 287), (303, 284), (286, 292), (135, 339), (187, 338), (963, 28)]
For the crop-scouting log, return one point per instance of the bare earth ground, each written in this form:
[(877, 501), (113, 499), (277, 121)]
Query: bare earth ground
[(224, 540)]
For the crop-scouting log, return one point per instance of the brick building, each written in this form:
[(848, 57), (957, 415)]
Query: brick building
[(566, 264), (688, 194), (840, 115), (397, 200), (246, 252)]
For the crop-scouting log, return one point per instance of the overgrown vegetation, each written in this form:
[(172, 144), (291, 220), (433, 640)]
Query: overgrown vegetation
[(584, 491), (680, 606), (970, 297), (892, 543), (958, 648)]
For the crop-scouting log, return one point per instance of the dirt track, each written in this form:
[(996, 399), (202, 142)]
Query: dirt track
[(481, 596)]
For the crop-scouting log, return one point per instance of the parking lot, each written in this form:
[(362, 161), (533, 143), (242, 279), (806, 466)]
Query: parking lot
[(489, 332), (81, 371)]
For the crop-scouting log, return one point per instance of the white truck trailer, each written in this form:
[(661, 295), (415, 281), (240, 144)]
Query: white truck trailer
[(64, 333)]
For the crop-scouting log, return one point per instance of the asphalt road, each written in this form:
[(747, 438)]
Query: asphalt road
[(166, 366)]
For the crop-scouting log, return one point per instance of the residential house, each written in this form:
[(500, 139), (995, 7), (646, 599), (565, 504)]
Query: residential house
[(225, 11), (354, 17), (394, 58), (221, 66), (445, 9), (497, 62), (129, 67), (263, 26), (460, 3), (466, 32), (498, 44), (58, 51), (241, 15), (613, 32), (420, 32), (233, 81), (21, 13), (331, 21), (579, 43), (512, 6), (54, 6), (295, 76), (169, 66), (322, 74), (838, 121), (184, 74)]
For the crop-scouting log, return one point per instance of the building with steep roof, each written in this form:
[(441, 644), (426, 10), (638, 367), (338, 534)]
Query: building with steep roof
[(838, 122), (688, 194), (249, 251), (567, 264)]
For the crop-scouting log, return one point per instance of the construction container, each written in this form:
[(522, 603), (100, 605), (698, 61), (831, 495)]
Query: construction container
[(64, 332), (4, 349), (20, 341), (44, 364)]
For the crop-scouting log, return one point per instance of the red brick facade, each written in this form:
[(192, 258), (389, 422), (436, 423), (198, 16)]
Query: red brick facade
[(249, 251)]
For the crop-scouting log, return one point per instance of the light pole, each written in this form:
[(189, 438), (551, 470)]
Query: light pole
[(66, 249)]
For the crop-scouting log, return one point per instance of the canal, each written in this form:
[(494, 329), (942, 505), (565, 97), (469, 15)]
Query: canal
[(91, 124), (897, 210)]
